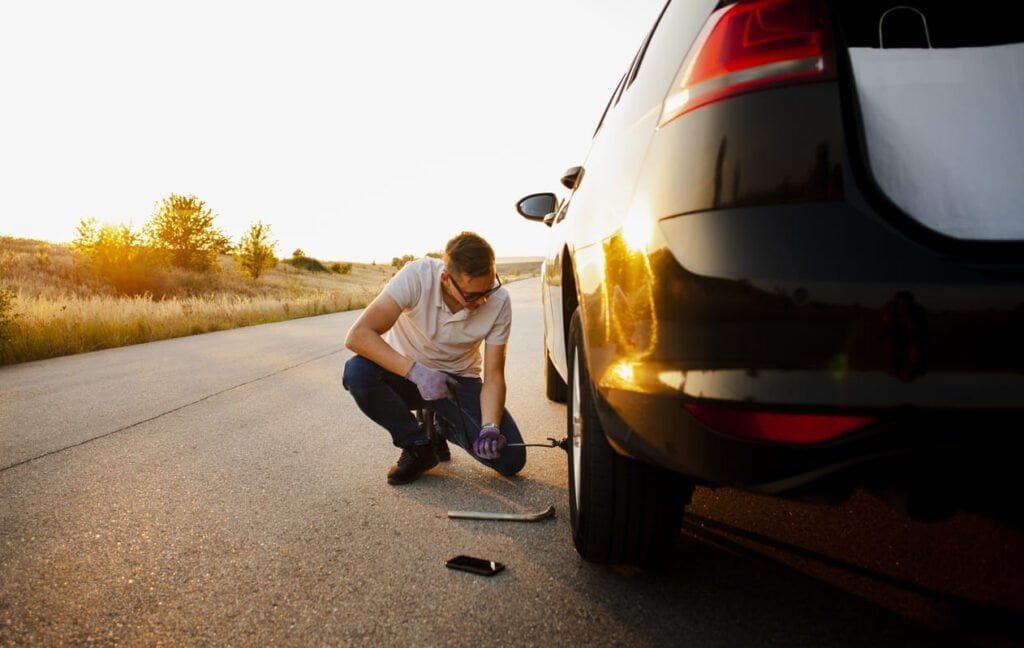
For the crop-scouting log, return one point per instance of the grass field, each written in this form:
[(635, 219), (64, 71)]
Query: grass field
[(60, 308)]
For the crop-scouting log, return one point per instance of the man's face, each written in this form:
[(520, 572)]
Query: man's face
[(471, 292)]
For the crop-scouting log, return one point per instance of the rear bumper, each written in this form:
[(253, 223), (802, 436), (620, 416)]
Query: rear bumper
[(658, 429), (802, 308)]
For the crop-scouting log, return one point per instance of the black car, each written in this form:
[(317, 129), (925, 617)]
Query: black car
[(792, 263)]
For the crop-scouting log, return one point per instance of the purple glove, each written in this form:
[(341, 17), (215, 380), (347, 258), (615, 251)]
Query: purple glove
[(433, 384), (490, 443)]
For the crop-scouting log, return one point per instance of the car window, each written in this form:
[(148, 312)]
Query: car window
[(657, 61), (630, 74), (611, 102), (639, 58), (674, 33)]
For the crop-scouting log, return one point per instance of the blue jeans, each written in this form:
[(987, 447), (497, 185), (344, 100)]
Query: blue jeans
[(388, 399)]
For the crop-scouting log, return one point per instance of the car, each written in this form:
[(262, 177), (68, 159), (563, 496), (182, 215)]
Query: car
[(792, 263)]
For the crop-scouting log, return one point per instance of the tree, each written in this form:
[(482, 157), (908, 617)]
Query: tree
[(106, 247), (183, 229), (255, 252), (298, 253), (117, 256)]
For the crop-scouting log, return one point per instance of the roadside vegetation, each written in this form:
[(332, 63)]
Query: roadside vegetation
[(63, 307), (113, 286)]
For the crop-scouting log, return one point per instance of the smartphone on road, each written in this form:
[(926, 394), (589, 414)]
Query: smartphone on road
[(475, 565)]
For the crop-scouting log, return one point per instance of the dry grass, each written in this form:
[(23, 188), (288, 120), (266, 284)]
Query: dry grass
[(60, 308), (45, 327)]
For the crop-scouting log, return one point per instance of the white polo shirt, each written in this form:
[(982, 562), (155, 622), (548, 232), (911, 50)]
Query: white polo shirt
[(430, 333)]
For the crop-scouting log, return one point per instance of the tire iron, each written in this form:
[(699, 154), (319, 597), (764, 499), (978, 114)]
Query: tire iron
[(552, 443)]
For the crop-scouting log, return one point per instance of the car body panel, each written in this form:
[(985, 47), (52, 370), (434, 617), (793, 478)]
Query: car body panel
[(740, 256)]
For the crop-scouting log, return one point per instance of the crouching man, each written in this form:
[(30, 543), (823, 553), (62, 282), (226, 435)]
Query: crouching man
[(418, 345)]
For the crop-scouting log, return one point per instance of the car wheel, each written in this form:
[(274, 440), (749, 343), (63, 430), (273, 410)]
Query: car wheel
[(623, 511), (554, 386)]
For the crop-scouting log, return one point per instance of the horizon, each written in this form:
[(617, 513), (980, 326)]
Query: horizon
[(497, 259)]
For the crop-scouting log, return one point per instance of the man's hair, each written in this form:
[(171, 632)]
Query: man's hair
[(468, 253)]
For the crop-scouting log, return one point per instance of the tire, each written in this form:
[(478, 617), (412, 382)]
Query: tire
[(554, 387), (622, 511)]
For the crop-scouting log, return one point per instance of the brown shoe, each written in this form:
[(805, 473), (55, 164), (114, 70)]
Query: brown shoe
[(414, 461)]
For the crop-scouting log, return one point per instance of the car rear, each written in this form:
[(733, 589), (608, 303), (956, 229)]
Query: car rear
[(806, 291)]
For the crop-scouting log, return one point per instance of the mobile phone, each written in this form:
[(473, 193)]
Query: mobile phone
[(475, 565)]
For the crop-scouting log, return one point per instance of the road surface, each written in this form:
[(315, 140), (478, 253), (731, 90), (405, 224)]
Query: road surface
[(223, 489)]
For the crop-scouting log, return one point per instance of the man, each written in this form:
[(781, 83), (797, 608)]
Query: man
[(418, 344)]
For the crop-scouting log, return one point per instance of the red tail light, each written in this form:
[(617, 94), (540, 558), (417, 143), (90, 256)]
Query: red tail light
[(751, 45), (777, 426)]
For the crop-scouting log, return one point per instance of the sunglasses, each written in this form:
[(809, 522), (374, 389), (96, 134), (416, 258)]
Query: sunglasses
[(473, 296)]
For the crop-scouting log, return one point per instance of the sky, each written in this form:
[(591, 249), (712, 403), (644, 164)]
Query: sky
[(359, 131)]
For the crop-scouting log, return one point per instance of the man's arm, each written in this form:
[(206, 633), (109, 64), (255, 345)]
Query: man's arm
[(492, 396), (365, 338)]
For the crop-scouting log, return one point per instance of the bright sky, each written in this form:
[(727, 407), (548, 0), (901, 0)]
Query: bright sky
[(358, 131)]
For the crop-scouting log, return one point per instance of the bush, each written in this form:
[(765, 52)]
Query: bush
[(341, 268), (307, 263), (399, 262), (255, 252), (116, 256), (6, 303), (6, 296)]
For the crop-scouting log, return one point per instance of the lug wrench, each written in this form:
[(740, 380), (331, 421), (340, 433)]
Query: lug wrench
[(552, 443)]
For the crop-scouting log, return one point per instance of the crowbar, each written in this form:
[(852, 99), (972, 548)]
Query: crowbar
[(509, 517)]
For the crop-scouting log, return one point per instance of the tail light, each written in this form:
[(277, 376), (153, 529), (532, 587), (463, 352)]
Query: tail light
[(750, 46), (780, 427)]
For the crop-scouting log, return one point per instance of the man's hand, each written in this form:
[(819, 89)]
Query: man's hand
[(433, 384), (490, 443)]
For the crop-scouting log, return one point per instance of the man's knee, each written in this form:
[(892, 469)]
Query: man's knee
[(359, 374)]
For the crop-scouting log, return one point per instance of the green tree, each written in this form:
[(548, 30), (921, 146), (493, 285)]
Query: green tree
[(182, 228), (255, 252)]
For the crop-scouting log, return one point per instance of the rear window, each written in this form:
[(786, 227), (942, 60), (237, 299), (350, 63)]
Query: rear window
[(949, 24)]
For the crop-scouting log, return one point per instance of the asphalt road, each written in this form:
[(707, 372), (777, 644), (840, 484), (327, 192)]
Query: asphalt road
[(223, 489)]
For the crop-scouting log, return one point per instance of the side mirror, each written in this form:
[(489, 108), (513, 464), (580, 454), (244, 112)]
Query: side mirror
[(573, 177), (536, 206)]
